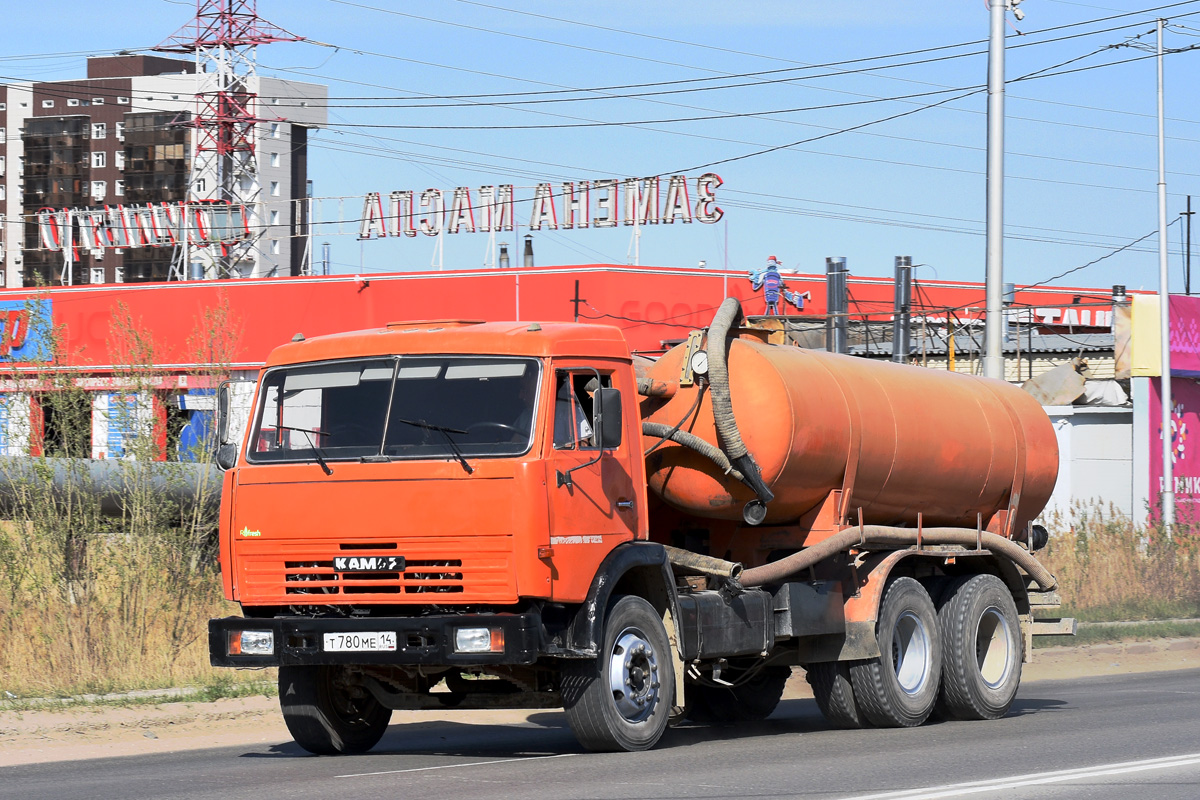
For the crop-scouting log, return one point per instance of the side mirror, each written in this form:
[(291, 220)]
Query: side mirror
[(223, 403), (606, 418), (227, 456)]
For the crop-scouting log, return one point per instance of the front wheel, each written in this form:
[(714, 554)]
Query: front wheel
[(328, 712), (898, 688), (622, 699)]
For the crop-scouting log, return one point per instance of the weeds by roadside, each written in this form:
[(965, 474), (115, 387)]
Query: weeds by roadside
[(1109, 569), (221, 688), (108, 571)]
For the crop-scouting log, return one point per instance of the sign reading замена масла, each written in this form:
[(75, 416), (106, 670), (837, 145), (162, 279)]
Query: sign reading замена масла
[(583, 204), (199, 223)]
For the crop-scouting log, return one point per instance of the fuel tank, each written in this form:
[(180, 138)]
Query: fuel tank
[(901, 440)]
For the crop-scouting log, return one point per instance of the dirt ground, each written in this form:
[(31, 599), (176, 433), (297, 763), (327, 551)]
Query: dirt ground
[(30, 737)]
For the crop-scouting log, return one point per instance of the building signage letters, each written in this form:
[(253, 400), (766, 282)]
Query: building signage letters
[(200, 224), (1058, 317), (563, 206)]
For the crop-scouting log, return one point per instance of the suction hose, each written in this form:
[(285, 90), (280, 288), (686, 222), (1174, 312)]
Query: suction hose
[(784, 568), (727, 316), (696, 564), (663, 431)]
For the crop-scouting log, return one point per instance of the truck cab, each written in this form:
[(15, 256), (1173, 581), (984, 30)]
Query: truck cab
[(436, 494)]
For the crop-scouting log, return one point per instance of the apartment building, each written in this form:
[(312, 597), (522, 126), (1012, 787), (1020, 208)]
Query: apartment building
[(126, 136)]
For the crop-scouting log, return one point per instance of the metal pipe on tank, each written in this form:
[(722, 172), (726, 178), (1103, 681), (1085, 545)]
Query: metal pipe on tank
[(902, 316), (528, 250), (838, 305)]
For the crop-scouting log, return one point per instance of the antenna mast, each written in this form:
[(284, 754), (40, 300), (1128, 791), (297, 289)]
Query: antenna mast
[(223, 37)]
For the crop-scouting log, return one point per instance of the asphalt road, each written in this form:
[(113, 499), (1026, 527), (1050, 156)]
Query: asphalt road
[(1115, 737)]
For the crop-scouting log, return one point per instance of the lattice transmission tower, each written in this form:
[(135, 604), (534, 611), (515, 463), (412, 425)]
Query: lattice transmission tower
[(224, 37)]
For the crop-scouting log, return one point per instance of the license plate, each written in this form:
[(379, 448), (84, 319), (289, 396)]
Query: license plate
[(360, 642), (369, 564)]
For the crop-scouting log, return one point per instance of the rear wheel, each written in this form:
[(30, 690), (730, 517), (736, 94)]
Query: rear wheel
[(834, 693), (329, 712), (748, 701), (898, 688), (622, 699), (981, 650)]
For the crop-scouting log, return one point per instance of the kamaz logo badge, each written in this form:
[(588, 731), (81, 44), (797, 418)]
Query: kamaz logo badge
[(369, 563)]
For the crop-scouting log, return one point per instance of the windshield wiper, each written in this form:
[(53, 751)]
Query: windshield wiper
[(458, 454), (316, 451)]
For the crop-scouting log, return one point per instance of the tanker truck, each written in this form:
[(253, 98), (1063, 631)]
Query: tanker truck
[(460, 514)]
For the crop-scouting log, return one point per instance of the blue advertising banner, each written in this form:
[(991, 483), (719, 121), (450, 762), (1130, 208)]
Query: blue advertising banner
[(26, 327)]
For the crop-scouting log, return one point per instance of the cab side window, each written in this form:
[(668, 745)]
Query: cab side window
[(573, 408)]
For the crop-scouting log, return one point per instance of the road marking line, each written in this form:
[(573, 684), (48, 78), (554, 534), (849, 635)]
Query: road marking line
[(455, 766), (1035, 779)]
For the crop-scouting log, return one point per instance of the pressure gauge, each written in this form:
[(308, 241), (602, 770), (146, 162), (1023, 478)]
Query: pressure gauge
[(700, 362)]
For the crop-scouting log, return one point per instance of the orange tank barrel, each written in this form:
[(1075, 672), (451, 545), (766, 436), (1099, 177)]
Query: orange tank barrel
[(902, 440)]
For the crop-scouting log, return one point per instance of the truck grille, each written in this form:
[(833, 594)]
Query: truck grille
[(318, 577), (431, 566)]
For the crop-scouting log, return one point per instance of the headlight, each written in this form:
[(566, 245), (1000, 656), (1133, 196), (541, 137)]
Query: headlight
[(251, 643), (479, 640)]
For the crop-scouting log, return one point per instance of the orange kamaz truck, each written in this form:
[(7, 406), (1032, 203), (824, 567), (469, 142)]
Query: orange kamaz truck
[(461, 514)]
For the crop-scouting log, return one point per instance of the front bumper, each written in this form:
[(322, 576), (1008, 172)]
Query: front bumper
[(419, 640)]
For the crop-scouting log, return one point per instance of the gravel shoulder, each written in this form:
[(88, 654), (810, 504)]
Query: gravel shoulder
[(45, 735)]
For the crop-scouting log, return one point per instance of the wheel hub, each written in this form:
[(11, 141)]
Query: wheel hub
[(633, 675), (993, 648), (911, 652)]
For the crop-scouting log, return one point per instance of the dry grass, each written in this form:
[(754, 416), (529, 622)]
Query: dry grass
[(91, 603), (1109, 569), (133, 615)]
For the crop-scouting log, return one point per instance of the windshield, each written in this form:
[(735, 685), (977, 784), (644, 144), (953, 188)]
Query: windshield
[(402, 407)]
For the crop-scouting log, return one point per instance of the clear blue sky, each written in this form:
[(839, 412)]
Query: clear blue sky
[(1081, 149)]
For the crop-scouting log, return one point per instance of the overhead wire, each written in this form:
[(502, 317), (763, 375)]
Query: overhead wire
[(769, 112), (1039, 71), (1101, 258)]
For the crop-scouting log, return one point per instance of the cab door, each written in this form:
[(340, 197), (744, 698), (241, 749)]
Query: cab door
[(593, 495)]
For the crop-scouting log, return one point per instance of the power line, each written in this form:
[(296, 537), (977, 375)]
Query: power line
[(605, 91), (723, 75), (662, 121), (747, 114), (1101, 258)]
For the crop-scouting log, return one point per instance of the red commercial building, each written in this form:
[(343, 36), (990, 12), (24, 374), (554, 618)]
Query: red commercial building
[(182, 333)]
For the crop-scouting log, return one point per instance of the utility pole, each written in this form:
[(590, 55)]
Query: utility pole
[(577, 301), (1164, 309), (1187, 250), (993, 360)]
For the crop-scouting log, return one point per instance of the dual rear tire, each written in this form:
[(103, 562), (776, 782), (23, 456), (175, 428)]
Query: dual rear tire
[(962, 659), (898, 688), (982, 649)]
